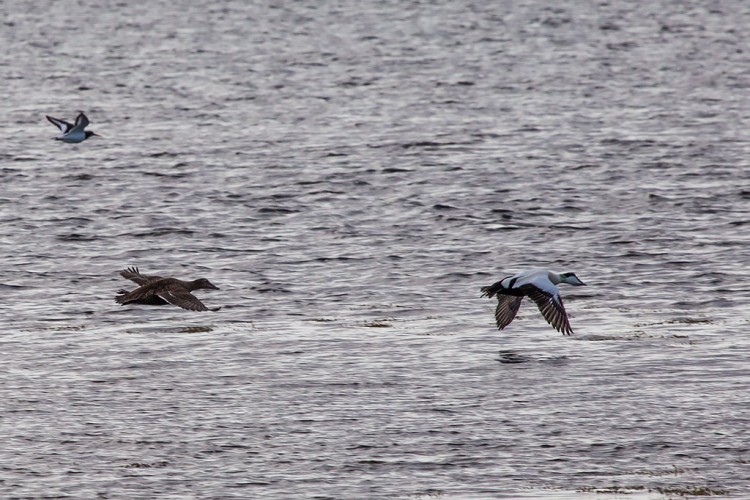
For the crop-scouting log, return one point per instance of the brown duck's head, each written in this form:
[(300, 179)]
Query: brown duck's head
[(203, 283)]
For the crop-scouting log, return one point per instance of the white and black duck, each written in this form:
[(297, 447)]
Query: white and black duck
[(540, 285)]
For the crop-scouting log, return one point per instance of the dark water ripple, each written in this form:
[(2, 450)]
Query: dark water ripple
[(350, 174)]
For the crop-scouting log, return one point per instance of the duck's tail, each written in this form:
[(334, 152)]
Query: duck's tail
[(122, 297), (490, 291)]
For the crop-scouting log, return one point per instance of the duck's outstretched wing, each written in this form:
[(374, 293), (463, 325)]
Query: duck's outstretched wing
[(507, 308), (141, 295), (551, 306), (61, 124), (182, 298), (81, 122), (134, 275), (149, 300)]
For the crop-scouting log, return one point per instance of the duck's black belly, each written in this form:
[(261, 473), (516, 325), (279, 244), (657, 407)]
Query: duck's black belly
[(497, 288)]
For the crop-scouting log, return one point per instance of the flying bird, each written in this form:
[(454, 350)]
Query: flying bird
[(540, 285), (155, 291), (72, 132)]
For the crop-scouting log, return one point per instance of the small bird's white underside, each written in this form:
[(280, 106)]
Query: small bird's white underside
[(73, 136)]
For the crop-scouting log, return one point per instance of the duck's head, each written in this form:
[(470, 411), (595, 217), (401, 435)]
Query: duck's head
[(203, 283), (571, 279)]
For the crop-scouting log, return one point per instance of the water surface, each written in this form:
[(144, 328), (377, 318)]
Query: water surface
[(350, 176)]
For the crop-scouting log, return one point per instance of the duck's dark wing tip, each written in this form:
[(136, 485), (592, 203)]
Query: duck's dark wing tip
[(551, 307), (182, 298), (134, 274), (506, 310), (130, 273)]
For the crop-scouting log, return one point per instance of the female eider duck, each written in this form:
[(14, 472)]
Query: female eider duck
[(155, 291), (540, 286)]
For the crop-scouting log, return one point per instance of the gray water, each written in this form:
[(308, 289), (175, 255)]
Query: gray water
[(350, 174)]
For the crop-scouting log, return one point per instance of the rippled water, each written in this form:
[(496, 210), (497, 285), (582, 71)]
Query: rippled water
[(350, 175)]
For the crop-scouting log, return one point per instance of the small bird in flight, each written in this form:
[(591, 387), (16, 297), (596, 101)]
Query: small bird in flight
[(74, 132), (540, 285), (155, 291)]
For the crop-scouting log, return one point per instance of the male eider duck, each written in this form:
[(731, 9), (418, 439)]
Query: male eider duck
[(540, 286), (155, 290), (73, 132)]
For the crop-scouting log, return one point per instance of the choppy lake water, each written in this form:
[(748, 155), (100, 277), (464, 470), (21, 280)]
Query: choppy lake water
[(350, 174)]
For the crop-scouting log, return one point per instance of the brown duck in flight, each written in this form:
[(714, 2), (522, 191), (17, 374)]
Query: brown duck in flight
[(156, 291)]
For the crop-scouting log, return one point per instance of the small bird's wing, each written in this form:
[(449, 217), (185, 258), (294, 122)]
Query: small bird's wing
[(507, 307), (81, 123), (551, 306), (183, 298), (61, 124), (134, 275)]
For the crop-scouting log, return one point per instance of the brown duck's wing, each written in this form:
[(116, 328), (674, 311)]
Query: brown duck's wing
[(147, 299), (181, 297), (551, 306), (507, 307), (147, 293), (134, 275)]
